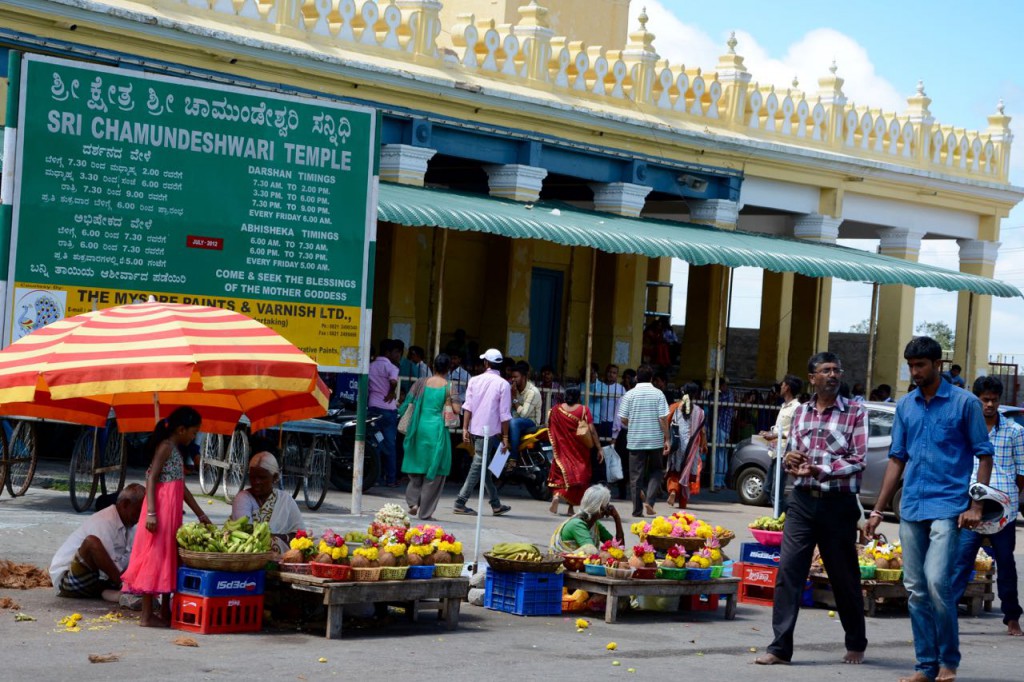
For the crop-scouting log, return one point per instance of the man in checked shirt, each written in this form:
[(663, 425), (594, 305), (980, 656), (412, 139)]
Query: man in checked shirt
[(827, 444)]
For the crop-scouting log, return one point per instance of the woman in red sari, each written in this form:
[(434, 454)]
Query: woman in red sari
[(569, 477)]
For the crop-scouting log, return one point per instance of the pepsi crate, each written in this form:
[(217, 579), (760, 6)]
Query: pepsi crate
[(219, 583), (524, 594), (756, 553)]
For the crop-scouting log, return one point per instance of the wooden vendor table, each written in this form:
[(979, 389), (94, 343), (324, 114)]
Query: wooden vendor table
[(442, 594), (977, 596), (615, 589)]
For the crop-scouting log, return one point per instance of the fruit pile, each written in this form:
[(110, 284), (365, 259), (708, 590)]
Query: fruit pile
[(235, 537), (769, 523)]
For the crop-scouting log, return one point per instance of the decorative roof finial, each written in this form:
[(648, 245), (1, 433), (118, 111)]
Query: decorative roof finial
[(1001, 107), (796, 82), (920, 88), (834, 67), (732, 42), (643, 19)]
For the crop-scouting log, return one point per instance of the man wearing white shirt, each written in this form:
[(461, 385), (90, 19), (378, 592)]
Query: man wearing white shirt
[(789, 389), (90, 562)]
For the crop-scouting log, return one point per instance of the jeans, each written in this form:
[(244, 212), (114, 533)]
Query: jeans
[(475, 469), (830, 522), (721, 459), (646, 472), (929, 553), (1003, 545), (387, 425), (517, 428)]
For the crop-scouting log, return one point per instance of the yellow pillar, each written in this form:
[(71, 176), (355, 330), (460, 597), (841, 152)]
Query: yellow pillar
[(812, 296), (580, 274), (974, 311), (776, 322), (628, 310), (895, 315), (409, 287), (520, 272), (707, 287)]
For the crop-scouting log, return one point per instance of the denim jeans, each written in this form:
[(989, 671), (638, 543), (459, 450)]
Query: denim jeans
[(929, 553), (387, 425), (721, 459), (517, 428), (475, 470), (1003, 545)]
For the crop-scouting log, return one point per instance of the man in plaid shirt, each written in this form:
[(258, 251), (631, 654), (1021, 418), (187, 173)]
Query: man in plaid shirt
[(827, 444), (1007, 437)]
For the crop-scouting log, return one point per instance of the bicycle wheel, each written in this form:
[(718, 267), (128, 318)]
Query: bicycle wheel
[(113, 456), (22, 457), (238, 464), (318, 471), (292, 470), (4, 454), (211, 450), (81, 480)]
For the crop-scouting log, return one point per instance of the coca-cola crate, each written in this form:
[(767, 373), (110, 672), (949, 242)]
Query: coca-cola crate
[(756, 594), (756, 574)]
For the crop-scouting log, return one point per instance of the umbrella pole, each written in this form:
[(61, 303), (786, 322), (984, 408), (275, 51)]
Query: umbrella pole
[(590, 331), (778, 474), (359, 451), (156, 408), (480, 503)]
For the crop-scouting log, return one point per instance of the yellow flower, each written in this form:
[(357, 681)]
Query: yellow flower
[(616, 552), (648, 557), (395, 549), (582, 623), (339, 552), (369, 552)]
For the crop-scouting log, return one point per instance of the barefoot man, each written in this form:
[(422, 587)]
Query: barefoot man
[(938, 432), (827, 443)]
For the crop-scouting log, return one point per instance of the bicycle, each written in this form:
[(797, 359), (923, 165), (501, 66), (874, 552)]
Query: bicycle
[(87, 473), (18, 458)]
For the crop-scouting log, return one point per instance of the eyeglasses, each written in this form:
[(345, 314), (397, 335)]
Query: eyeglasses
[(834, 371)]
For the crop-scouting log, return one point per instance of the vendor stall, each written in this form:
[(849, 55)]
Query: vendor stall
[(616, 589)]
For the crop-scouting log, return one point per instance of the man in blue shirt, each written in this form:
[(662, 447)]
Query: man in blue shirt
[(937, 434), (1007, 437)]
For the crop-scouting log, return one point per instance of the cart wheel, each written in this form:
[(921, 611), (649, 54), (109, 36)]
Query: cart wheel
[(113, 456), (81, 480), (21, 460), (318, 471), (238, 464), (212, 450), (292, 470), (4, 454)]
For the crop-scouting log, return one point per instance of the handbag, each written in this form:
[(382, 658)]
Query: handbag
[(612, 464), (583, 431), (405, 420), (451, 419)]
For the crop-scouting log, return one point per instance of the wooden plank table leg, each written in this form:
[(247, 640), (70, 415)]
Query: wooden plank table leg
[(450, 612), (334, 616), (730, 606), (611, 607)]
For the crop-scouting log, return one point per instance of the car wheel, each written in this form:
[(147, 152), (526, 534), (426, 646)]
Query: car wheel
[(750, 487), (895, 504)]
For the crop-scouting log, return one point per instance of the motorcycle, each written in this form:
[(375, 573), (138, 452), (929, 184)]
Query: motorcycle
[(531, 468), (341, 448)]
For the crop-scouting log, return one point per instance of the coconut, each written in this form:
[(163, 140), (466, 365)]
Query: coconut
[(323, 558), (428, 560), (359, 562), (881, 563), (415, 559), (636, 562), (387, 560), (458, 558), (293, 556), (441, 557), (668, 563)]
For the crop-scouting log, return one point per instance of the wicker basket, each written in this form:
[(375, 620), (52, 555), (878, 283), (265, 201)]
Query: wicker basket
[(447, 570), (300, 569), (888, 575), (339, 572), (393, 572), (619, 573), (366, 575), (218, 561), (691, 545), (548, 563)]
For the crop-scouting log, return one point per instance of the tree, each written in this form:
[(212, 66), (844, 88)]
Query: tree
[(940, 331), (862, 327)]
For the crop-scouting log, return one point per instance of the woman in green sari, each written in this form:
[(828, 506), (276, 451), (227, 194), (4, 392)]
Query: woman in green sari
[(428, 447), (584, 532)]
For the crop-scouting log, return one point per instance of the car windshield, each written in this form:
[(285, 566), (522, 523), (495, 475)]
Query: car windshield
[(880, 423)]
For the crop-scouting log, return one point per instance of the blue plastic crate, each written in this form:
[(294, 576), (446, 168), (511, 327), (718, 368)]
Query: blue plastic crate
[(524, 594), (219, 583)]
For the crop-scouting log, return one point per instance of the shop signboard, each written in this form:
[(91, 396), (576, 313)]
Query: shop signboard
[(130, 184)]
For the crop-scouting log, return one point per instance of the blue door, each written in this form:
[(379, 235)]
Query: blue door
[(545, 317)]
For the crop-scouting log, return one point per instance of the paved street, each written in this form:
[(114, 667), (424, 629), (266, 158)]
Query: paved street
[(487, 643)]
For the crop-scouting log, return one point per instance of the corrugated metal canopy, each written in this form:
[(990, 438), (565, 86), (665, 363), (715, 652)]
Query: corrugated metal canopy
[(696, 244)]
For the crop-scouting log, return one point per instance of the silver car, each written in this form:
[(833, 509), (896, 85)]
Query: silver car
[(750, 462)]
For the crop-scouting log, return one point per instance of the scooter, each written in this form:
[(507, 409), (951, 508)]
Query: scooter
[(532, 466), (341, 448)]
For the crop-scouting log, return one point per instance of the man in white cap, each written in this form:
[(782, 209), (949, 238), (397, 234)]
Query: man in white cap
[(488, 408)]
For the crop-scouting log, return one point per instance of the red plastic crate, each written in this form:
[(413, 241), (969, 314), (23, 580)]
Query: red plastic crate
[(216, 615), (756, 594), (700, 602), (756, 574)]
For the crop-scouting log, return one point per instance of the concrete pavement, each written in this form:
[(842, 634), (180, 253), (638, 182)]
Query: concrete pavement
[(486, 645)]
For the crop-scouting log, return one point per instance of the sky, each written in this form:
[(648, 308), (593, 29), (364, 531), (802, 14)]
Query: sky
[(968, 57)]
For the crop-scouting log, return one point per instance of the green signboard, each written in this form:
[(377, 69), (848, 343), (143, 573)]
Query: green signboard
[(131, 184)]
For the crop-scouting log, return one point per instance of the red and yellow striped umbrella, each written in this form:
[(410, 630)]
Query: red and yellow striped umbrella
[(220, 362)]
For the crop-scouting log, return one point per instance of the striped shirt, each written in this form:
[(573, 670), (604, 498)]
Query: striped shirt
[(835, 442), (644, 406), (1007, 439)]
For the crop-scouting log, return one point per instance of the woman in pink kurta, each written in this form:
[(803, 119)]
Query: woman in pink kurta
[(153, 566)]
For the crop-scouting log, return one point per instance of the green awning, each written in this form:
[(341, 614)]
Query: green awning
[(695, 244)]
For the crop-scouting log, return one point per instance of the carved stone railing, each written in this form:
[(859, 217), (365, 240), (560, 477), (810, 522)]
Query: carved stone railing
[(529, 54)]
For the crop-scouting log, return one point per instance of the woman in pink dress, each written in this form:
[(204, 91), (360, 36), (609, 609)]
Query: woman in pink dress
[(153, 566)]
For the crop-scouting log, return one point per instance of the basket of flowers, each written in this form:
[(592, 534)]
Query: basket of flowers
[(574, 561), (643, 561), (339, 572), (365, 564), (620, 572), (448, 557), (680, 528)]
